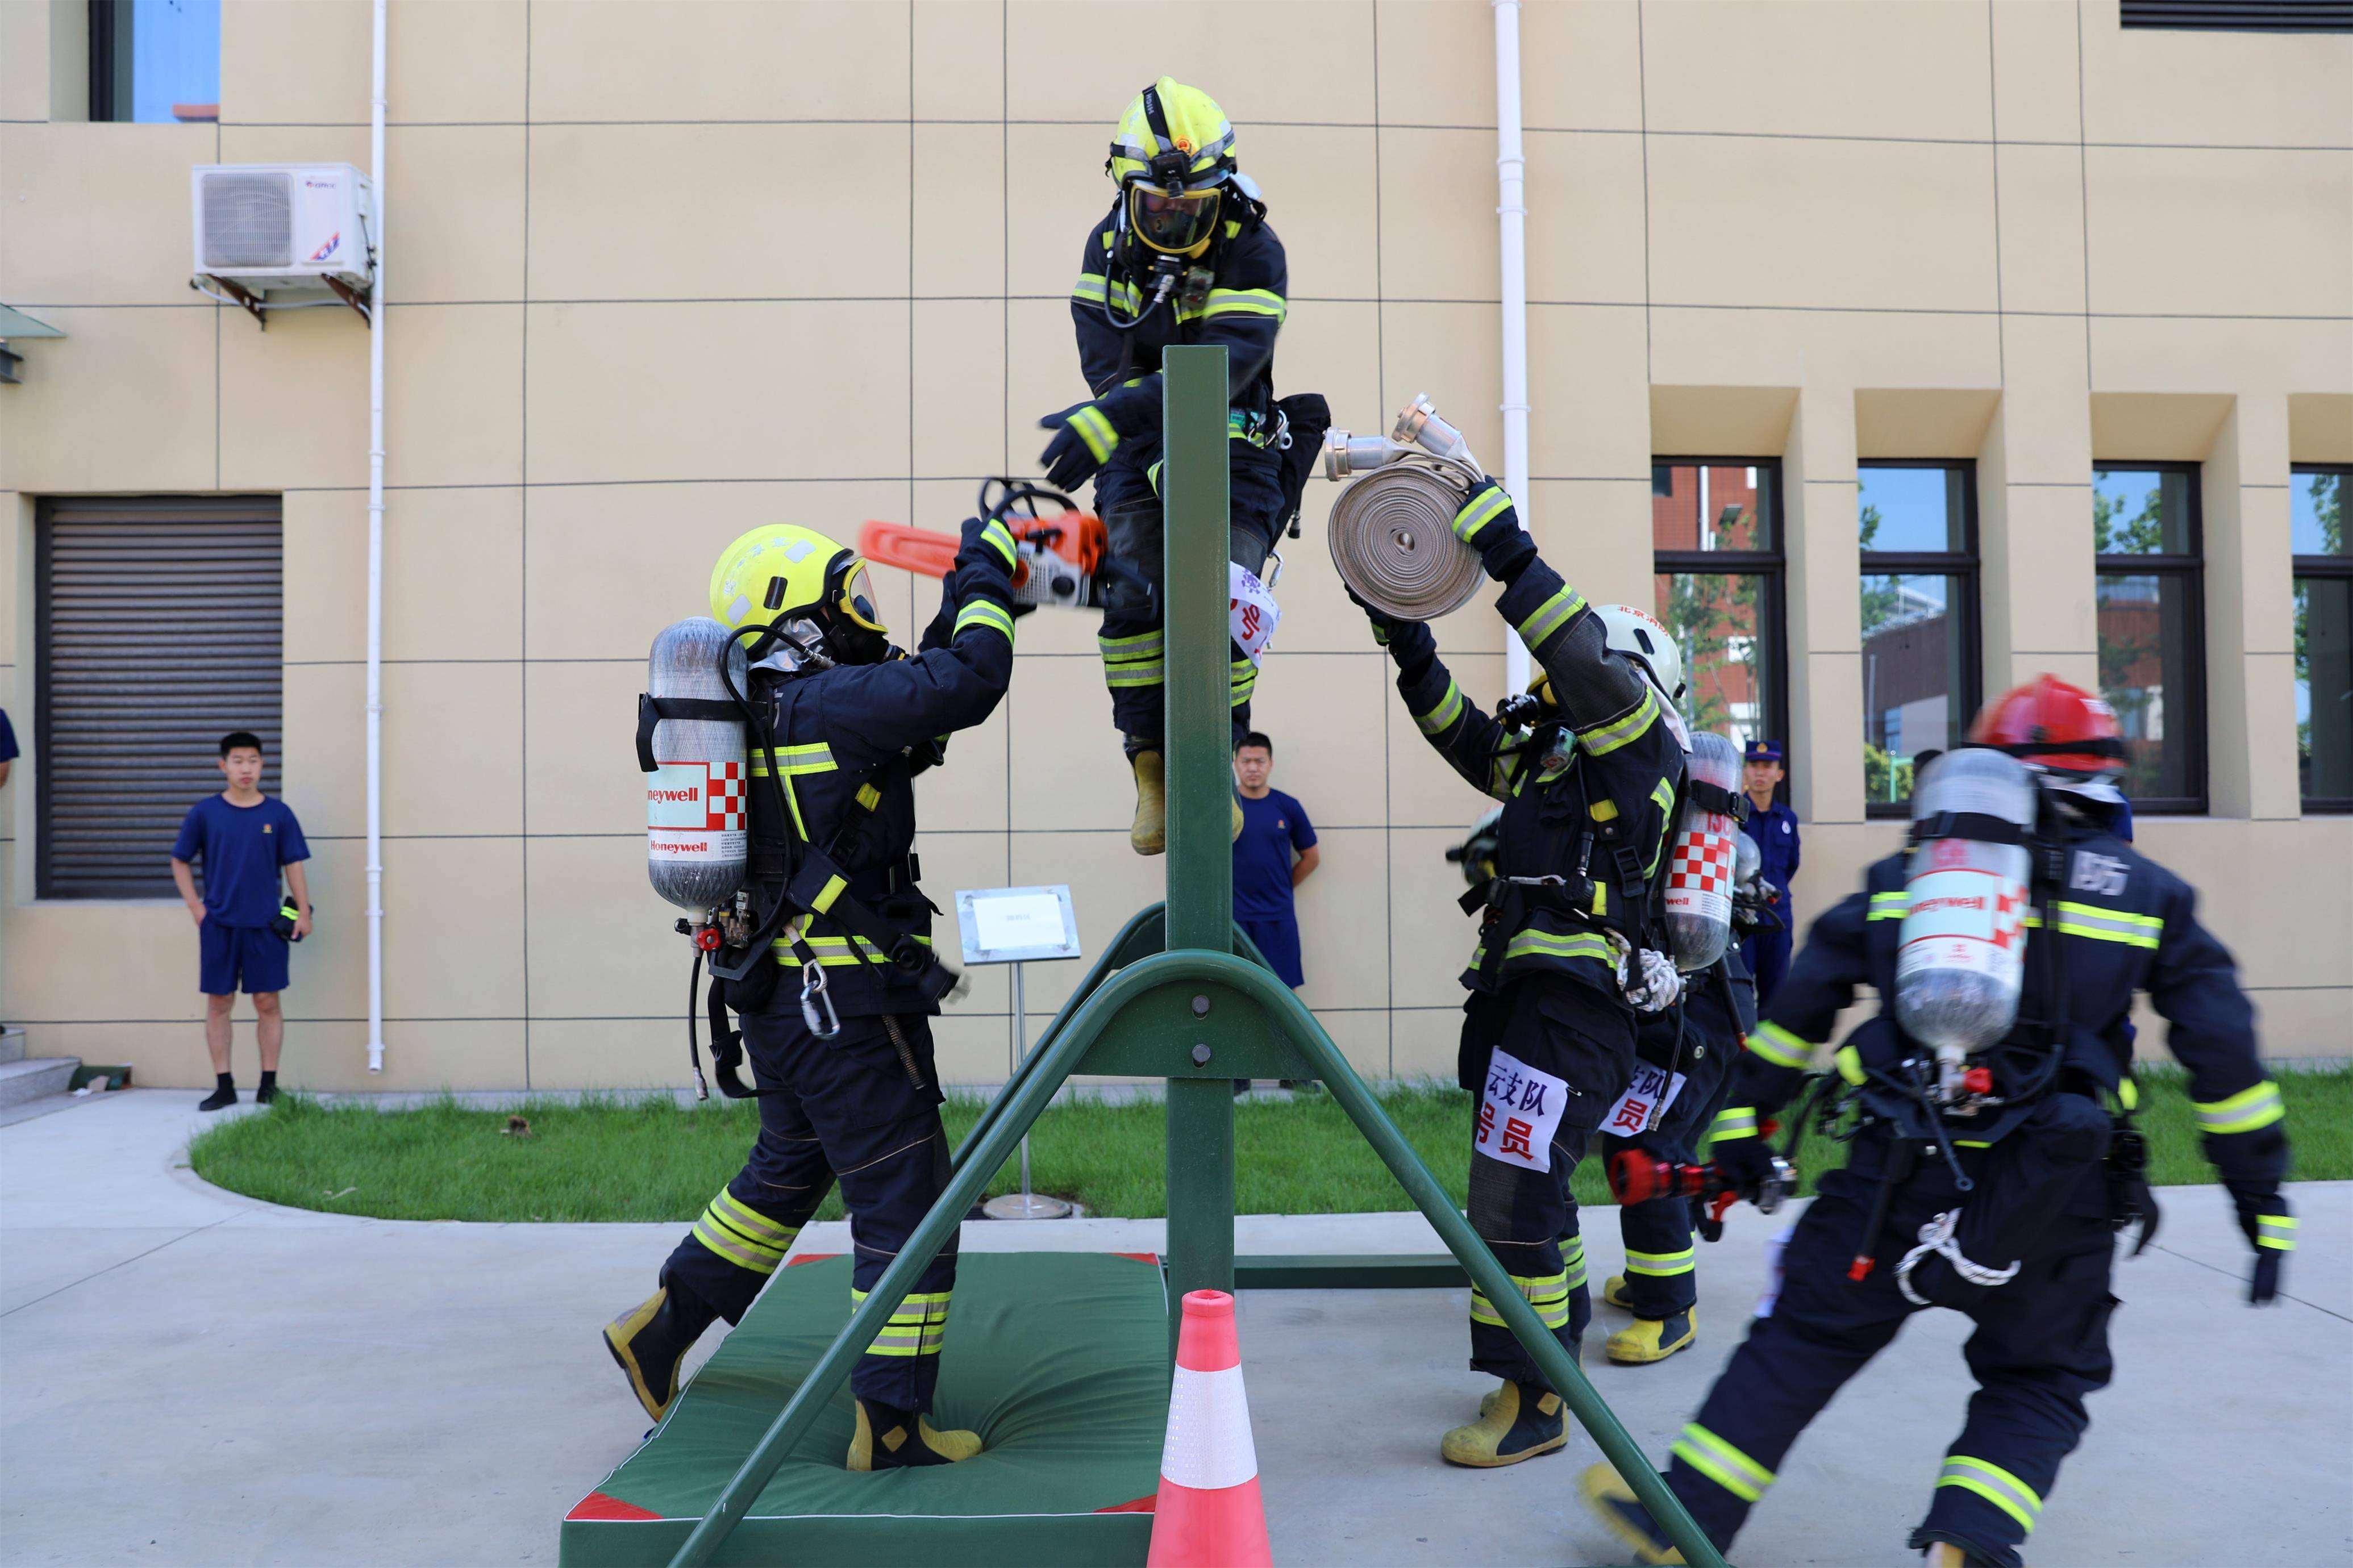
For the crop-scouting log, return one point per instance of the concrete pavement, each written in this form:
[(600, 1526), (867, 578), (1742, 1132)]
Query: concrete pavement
[(190, 1377)]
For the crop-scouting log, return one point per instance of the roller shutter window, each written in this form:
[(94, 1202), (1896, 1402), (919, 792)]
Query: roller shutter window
[(2241, 16), (160, 626)]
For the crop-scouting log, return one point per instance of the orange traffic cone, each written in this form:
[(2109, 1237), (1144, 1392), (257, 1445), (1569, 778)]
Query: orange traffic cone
[(1208, 1513)]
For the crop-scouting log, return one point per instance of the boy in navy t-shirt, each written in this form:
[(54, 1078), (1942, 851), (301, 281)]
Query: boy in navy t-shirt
[(244, 837), (1273, 852)]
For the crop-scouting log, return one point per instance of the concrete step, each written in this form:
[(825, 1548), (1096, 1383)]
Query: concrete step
[(12, 1044), (30, 1079)]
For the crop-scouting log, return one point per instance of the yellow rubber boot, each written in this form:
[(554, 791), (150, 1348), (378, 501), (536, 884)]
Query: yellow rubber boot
[(892, 1439), (1487, 1401), (1518, 1422), (1945, 1554), (1613, 1502), (1148, 834), (1648, 1340), (1613, 1294), (649, 1342)]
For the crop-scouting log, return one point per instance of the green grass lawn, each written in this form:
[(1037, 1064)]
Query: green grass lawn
[(623, 1159)]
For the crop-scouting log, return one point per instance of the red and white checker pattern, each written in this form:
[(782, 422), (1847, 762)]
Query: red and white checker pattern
[(1703, 863), (725, 798)]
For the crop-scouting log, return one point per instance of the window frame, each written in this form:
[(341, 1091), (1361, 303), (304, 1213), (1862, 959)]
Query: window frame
[(1770, 565), (1964, 565), (2190, 567), (2324, 566)]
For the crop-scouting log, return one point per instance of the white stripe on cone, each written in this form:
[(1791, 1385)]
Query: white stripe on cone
[(1209, 1445)]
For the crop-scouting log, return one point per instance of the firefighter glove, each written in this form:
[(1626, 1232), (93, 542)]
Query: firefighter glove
[(1649, 980), (1489, 525), (1084, 440), (1741, 1150), (2271, 1228), (1408, 643)]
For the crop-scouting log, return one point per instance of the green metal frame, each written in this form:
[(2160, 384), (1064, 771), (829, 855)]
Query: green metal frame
[(1170, 998)]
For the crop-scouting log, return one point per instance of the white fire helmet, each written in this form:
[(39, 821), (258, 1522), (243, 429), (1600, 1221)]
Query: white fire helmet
[(1638, 633)]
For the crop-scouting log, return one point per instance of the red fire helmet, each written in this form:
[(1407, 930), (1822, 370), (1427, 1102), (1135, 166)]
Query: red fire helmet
[(2048, 724)]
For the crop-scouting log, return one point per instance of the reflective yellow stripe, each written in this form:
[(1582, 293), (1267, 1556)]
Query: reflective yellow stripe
[(1089, 287), (836, 951), (1890, 906), (1734, 1121), (985, 613), (1780, 1047), (1244, 301), (810, 759), (2275, 1230), (2108, 925), (1480, 509), (1449, 709), (1153, 674), (1618, 732), (2128, 1094), (1972, 1144), (752, 1222), (1579, 944), (917, 1328), (834, 887), (1850, 1064), (1143, 645), (743, 1235), (1994, 1484), (1661, 1264), (1551, 616), (869, 796), (1722, 1463), (1548, 1293), (1000, 539), (2242, 1112), (1095, 430)]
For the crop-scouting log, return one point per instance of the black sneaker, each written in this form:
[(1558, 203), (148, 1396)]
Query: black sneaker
[(267, 1094), (221, 1099)]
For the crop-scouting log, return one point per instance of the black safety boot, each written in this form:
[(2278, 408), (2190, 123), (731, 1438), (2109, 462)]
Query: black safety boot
[(650, 1340), (1517, 1422), (1613, 1502), (889, 1439)]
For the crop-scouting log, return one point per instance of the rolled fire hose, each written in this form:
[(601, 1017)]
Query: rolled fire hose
[(1392, 530), (1392, 539)]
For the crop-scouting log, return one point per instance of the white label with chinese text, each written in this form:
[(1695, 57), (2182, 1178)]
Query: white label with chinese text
[(1252, 613), (1517, 1113), (1645, 1100)]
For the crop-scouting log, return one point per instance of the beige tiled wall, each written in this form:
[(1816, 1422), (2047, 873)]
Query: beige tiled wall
[(658, 273)]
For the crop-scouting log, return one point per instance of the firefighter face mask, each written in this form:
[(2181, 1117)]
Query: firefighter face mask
[(1171, 221), (856, 629)]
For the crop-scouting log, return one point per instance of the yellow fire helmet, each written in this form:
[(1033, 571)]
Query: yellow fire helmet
[(782, 571), (1171, 156)]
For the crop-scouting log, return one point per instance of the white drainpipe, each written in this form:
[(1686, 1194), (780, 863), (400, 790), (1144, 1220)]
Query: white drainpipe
[(375, 575), (1510, 210)]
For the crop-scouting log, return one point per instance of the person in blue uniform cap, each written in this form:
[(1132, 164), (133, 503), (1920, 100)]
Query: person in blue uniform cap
[(1774, 826)]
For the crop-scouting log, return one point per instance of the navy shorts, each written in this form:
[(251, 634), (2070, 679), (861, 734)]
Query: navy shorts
[(255, 953), (1279, 941)]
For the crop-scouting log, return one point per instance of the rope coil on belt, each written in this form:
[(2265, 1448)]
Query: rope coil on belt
[(1392, 539)]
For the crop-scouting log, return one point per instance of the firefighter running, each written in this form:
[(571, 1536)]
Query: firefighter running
[(1587, 769), (836, 1010), (1990, 1181), (1185, 256)]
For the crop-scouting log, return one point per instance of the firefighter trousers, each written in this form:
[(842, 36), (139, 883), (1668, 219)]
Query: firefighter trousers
[(2040, 1348), (1134, 640), (1550, 1054), (861, 1109)]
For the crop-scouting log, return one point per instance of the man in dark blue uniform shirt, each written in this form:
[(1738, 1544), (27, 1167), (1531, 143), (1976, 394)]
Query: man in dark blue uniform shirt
[(1274, 852), (1774, 827)]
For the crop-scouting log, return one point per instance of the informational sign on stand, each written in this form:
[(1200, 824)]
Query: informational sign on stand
[(1018, 926)]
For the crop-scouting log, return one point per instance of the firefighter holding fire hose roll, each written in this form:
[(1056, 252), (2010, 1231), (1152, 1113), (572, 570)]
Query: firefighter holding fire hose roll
[(828, 958), (1587, 768), (1996, 1155), (1185, 256)]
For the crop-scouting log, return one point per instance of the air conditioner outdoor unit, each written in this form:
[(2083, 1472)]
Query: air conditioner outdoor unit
[(268, 227)]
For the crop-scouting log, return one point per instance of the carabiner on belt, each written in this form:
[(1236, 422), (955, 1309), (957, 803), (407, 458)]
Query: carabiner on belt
[(817, 1007)]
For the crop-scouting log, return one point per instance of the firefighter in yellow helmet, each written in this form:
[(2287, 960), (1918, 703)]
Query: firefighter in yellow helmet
[(837, 1015), (1184, 256)]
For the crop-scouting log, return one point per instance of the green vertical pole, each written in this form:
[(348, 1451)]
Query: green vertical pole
[(1193, 492)]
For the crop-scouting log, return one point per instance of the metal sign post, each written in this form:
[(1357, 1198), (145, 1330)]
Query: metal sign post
[(1014, 925)]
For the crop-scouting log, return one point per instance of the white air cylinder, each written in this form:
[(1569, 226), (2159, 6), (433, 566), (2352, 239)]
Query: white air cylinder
[(1961, 961), (697, 796), (1702, 867)]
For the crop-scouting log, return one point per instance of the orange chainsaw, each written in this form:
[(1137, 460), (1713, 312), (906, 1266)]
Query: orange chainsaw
[(1062, 559)]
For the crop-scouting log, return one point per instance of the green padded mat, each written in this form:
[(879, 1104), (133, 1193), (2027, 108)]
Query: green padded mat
[(1058, 1360)]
